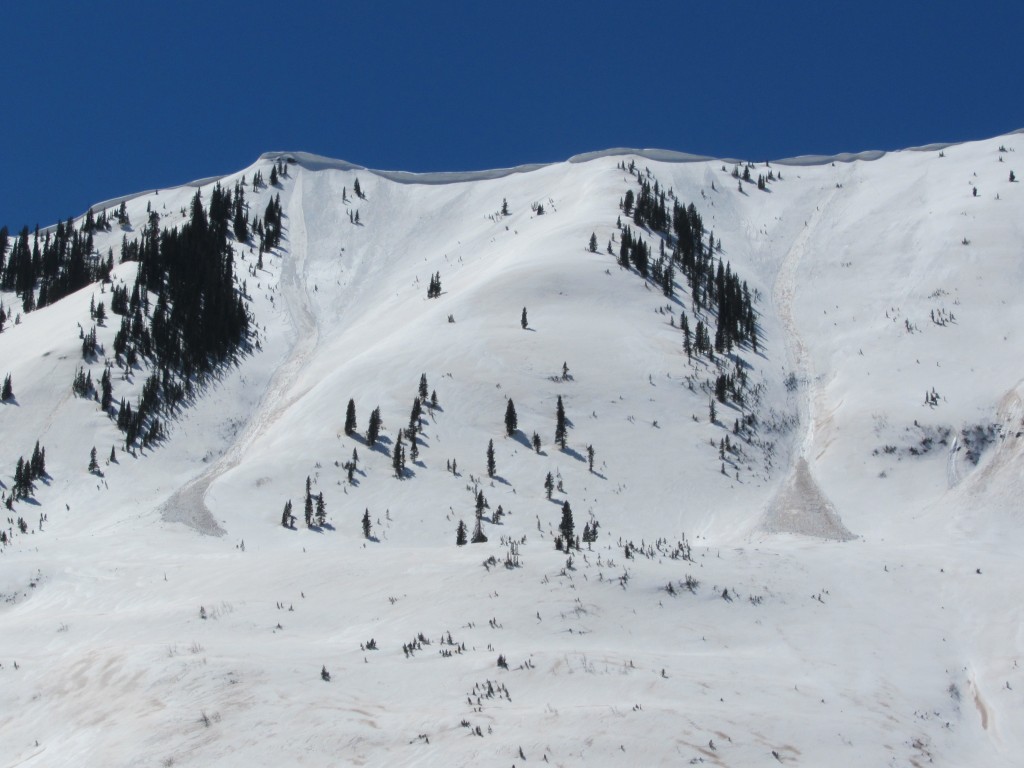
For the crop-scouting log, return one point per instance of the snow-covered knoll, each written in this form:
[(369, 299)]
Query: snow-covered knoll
[(851, 560)]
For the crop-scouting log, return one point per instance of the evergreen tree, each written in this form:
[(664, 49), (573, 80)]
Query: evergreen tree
[(398, 457), (549, 485), (522, 320), (593, 243), (321, 510), (7, 393), (590, 457), (423, 387), (460, 534), (536, 442), (350, 418), (286, 516), (560, 430), (239, 223), (37, 464), (357, 189), (434, 288), (478, 529), (511, 422), (490, 459), (565, 527), (308, 510), (373, 428), (113, 455), (478, 533), (24, 485), (94, 465), (504, 207), (19, 479), (107, 388), (366, 524)]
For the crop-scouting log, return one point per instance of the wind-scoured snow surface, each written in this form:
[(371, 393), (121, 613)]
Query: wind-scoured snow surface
[(853, 574)]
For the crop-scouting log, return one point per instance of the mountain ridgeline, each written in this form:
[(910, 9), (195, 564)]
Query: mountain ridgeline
[(316, 463)]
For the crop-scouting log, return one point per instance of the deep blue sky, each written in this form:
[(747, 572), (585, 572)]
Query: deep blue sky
[(102, 99)]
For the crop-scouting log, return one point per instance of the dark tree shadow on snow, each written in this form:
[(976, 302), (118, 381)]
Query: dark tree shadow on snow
[(522, 439), (573, 454)]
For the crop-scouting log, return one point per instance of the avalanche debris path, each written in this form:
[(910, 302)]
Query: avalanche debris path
[(188, 504), (800, 506)]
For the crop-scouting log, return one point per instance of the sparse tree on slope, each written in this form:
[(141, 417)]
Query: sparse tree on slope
[(398, 457), (37, 464), (373, 429), (478, 533), (415, 414), (511, 421), (566, 527), (350, 418), (321, 510), (560, 429)]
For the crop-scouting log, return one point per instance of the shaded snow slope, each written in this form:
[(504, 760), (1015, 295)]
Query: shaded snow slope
[(837, 592)]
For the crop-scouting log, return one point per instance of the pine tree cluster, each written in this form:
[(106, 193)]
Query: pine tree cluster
[(713, 285), (434, 289), (58, 263), (26, 473)]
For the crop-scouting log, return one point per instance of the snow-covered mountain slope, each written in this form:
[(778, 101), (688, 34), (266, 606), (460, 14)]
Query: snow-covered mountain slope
[(833, 588)]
